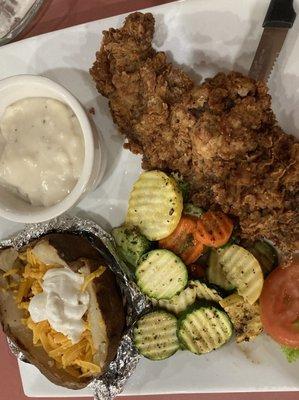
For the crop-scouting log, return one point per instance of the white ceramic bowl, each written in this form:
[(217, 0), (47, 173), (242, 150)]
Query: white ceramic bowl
[(13, 207)]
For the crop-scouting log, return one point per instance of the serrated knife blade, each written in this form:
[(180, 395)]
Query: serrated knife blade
[(267, 53), (279, 19)]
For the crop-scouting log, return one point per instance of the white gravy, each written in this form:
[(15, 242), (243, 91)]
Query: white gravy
[(41, 150)]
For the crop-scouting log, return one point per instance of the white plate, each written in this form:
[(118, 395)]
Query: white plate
[(204, 36)]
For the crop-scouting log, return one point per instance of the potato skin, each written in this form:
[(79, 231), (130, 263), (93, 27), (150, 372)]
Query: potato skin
[(72, 249)]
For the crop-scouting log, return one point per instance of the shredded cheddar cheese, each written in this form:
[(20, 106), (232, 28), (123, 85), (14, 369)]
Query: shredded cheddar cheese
[(10, 272), (79, 356), (89, 278), (23, 289), (76, 359), (36, 287)]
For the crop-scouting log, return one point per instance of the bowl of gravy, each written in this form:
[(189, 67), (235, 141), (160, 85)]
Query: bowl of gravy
[(50, 157)]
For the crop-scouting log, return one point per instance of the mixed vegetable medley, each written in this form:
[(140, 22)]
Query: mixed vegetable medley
[(203, 282)]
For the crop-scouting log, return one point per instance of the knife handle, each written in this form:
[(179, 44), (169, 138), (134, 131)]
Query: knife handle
[(280, 14)]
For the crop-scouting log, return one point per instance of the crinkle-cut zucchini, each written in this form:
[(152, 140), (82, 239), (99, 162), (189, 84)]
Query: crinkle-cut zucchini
[(155, 205), (215, 272), (203, 329), (155, 335), (161, 274), (245, 317), (266, 255), (195, 290), (177, 303), (130, 243), (205, 292), (243, 270)]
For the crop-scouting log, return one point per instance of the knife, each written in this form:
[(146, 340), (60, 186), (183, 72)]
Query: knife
[(279, 19)]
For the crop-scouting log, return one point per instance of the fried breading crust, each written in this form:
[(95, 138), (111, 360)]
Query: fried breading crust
[(222, 135)]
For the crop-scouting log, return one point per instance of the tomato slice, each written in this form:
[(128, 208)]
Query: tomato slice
[(279, 303)]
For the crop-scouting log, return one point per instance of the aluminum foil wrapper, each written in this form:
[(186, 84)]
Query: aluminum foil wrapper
[(112, 382)]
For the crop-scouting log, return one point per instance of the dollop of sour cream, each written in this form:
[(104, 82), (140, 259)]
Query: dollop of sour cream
[(41, 150), (62, 302)]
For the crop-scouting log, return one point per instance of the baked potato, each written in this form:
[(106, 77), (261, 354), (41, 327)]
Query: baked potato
[(22, 278)]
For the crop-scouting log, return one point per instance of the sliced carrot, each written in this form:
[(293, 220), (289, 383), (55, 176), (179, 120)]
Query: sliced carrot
[(215, 228), (185, 241), (173, 241), (191, 254)]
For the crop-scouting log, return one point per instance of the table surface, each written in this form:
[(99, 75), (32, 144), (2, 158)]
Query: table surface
[(57, 14)]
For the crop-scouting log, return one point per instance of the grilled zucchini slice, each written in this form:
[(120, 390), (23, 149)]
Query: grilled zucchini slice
[(215, 273), (178, 303), (245, 317), (243, 270), (203, 329), (161, 274), (195, 290), (265, 254), (155, 335), (130, 243), (155, 205), (205, 292)]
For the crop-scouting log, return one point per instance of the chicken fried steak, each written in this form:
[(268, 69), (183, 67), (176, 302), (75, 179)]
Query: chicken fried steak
[(222, 135)]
